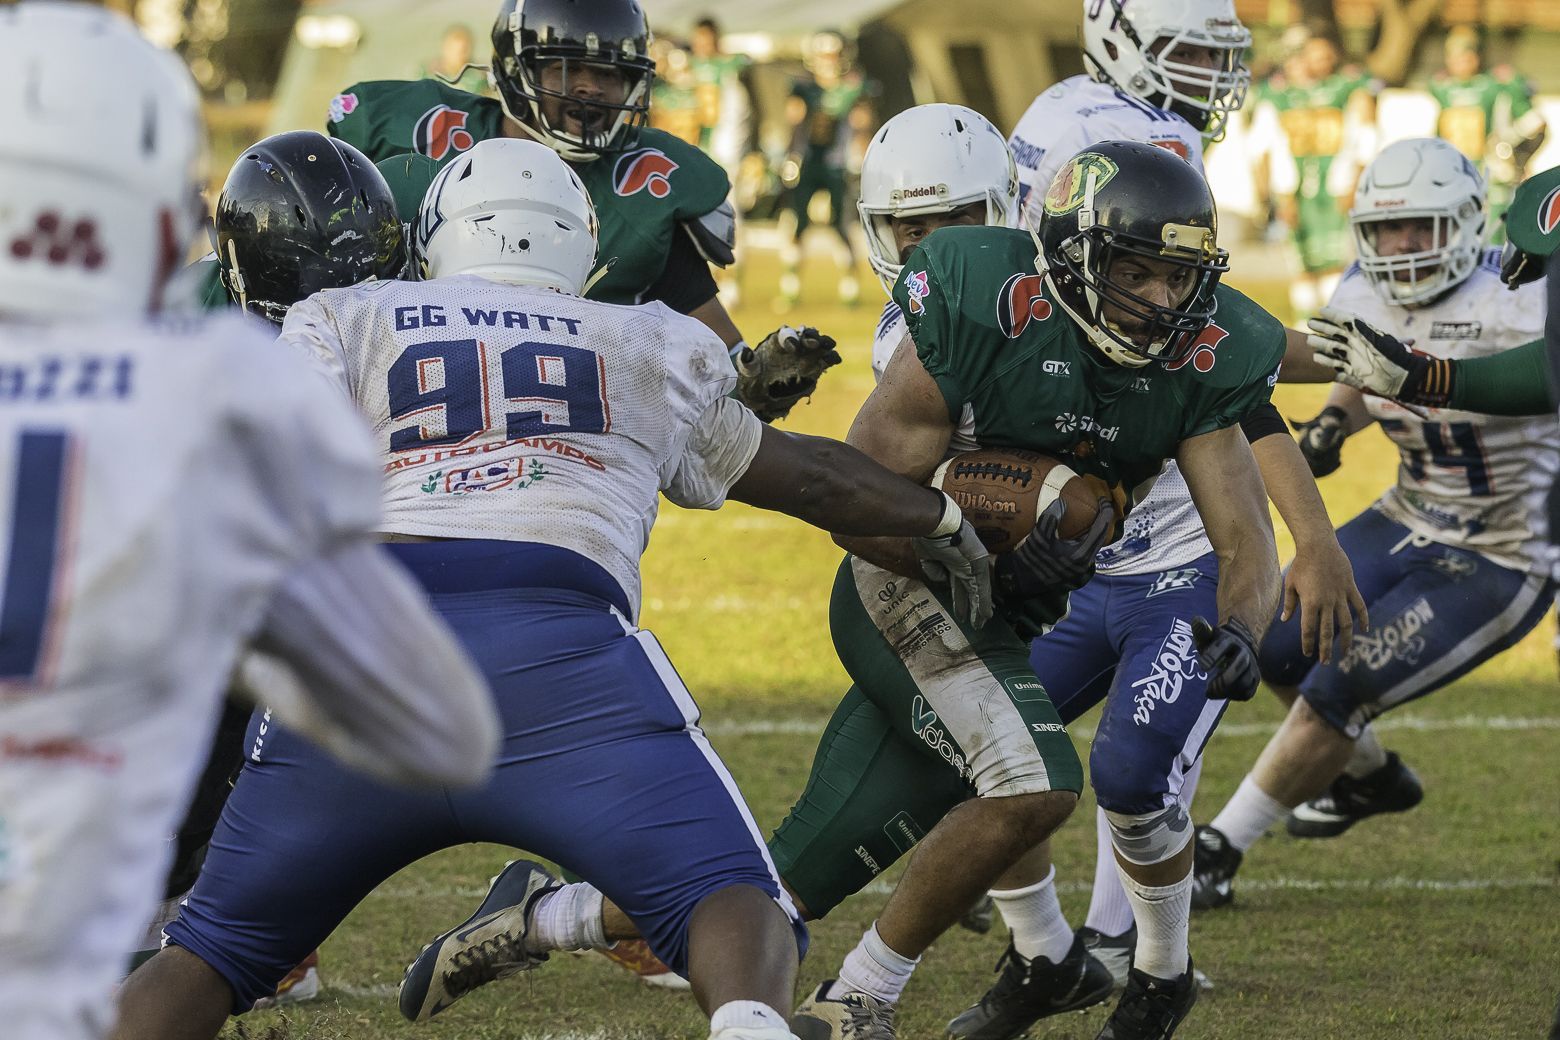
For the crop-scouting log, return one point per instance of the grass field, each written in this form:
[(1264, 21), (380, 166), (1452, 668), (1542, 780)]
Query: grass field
[(1443, 923)]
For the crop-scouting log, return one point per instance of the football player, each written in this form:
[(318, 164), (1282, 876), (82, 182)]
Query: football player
[(280, 234), (1095, 327), (527, 434), (1453, 559), (577, 77), (158, 517)]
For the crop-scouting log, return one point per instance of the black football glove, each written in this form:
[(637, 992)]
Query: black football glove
[(1368, 359), (1229, 655), (1043, 562), (1321, 440)]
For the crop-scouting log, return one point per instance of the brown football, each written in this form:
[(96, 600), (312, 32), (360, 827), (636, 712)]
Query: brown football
[(1003, 490)]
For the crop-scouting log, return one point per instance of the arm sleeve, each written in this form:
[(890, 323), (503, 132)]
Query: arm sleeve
[(1263, 421), (1514, 382), (311, 331), (352, 656), (686, 283)]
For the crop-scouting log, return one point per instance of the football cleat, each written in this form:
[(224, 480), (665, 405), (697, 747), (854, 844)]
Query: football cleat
[(300, 985), (487, 946), (634, 955), (1392, 788), (1113, 951), (1214, 864), (1028, 990), (846, 1015), (980, 917), (1150, 1008)]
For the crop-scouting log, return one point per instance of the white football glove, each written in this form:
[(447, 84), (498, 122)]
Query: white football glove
[(953, 555), (1354, 351)]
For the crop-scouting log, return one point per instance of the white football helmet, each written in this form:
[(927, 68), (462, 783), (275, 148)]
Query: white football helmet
[(509, 210), (101, 163), (1128, 44), (1426, 178), (932, 159)]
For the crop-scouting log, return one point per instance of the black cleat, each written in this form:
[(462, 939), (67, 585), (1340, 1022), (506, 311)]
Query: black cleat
[(980, 916), (1029, 990), (1151, 1008), (1392, 788), (1213, 870)]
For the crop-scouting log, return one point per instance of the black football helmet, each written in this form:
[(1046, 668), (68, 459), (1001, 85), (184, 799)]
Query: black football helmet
[(1124, 198), (301, 212), (615, 33)]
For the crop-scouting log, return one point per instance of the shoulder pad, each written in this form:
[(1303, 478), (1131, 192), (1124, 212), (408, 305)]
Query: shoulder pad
[(715, 234)]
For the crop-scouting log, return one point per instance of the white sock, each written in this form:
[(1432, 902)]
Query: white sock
[(1248, 815), (874, 969), (748, 1016), (1110, 913), (1368, 755), (1035, 918), (568, 919), (1162, 916)]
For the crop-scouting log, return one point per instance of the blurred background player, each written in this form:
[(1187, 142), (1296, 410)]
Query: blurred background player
[(830, 113), (1453, 560), (158, 523), (577, 77), (1489, 117), (725, 120), (455, 62), (1320, 111)]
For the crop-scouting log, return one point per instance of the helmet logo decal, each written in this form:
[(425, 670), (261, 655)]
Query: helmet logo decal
[(441, 131), (1071, 183), (60, 244), (1549, 212), (342, 106), (1201, 356), (1021, 302), (648, 170), (918, 287)]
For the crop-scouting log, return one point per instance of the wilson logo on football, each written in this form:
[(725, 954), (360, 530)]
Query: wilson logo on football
[(441, 132), (649, 170), (60, 243), (1022, 301), (1549, 212), (1202, 355)]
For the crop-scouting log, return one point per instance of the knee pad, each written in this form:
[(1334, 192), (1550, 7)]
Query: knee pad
[(1148, 838)]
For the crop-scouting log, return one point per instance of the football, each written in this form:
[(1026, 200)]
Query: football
[(1003, 491)]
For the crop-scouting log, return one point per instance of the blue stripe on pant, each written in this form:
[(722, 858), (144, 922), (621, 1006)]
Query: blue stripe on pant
[(1436, 613), (1127, 640), (603, 770)]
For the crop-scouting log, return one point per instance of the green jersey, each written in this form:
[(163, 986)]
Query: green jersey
[(1016, 372), (210, 293), (824, 134), (641, 196), (1475, 108), (1313, 117)]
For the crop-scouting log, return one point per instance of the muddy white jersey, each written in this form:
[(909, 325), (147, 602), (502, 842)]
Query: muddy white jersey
[(159, 481), (1079, 112), (526, 414), (1474, 481)]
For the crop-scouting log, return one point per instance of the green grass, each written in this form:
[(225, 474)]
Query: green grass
[(1327, 939)]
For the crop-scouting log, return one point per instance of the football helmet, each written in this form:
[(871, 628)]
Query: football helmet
[(512, 211), (1425, 178), (932, 159), (1132, 52), (531, 33), (1124, 198), (301, 212), (101, 164)]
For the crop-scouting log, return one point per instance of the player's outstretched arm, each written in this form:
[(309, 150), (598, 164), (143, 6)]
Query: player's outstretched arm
[(1226, 487), (1299, 364), (352, 656)]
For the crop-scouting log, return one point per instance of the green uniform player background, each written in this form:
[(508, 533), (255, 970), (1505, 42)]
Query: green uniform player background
[(641, 195), (1313, 120), (1479, 116), (938, 712)]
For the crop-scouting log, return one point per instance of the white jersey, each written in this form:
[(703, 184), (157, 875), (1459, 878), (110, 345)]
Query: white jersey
[(525, 414), (1079, 112), (1164, 529), (1474, 481)]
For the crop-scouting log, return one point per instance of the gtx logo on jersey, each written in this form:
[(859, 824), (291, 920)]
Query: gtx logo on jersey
[(60, 243), (1057, 368), (1140, 385), (918, 287), (1175, 663), (441, 132), (1067, 422), (1202, 357), (1022, 301), (1456, 329), (1549, 212), (342, 106), (649, 170)]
